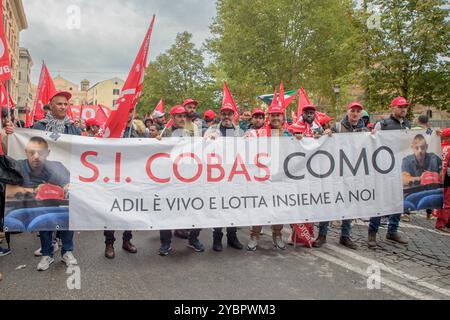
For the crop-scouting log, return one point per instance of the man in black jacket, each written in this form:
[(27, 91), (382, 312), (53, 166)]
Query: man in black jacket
[(396, 121)]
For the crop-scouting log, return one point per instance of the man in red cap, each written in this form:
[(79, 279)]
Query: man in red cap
[(443, 215), (352, 122), (258, 119), (275, 128), (191, 107), (396, 121), (92, 127), (225, 128), (177, 129), (209, 118), (308, 124), (58, 122)]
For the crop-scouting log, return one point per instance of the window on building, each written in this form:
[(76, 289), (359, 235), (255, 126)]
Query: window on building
[(114, 102), (20, 75), (116, 92)]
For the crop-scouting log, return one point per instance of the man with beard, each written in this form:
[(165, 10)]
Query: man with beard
[(274, 129), (226, 128), (178, 114), (190, 106)]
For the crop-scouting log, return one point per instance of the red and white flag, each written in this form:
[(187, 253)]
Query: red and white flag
[(4, 97), (5, 64), (159, 107), (46, 89), (131, 91)]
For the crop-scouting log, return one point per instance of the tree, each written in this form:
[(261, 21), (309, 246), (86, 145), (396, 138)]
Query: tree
[(307, 43), (405, 52), (177, 74)]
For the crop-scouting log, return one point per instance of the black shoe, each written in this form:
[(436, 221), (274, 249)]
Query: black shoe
[(320, 241), (217, 245), (165, 250), (233, 242), (347, 242), (196, 245)]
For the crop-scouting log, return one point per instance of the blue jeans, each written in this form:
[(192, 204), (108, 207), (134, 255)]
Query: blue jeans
[(166, 236), (47, 242), (346, 228), (394, 221)]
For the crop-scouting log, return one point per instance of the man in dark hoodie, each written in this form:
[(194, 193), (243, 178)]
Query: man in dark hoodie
[(352, 122)]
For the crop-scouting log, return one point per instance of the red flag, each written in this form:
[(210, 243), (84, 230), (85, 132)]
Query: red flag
[(101, 115), (302, 102), (46, 89), (274, 100), (70, 113), (28, 119), (283, 101), (131, 91), (5, 65), (228, 101), (169, 123), (4, 96), (159, 107)]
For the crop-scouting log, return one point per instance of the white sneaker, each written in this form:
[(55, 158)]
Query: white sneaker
[(69, 259), (278, 243), (252, 244), (38, 252), (45, 263)]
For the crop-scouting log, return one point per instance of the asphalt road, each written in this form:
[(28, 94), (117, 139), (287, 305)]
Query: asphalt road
[(300, 273)]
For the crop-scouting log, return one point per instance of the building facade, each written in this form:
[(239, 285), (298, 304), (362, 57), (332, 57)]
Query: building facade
[(24, 91), (14, 22), (79, 93), (105, 92)]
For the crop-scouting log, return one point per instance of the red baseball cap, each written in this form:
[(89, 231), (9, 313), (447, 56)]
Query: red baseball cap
[(276, 110), (50, 191), (189, 101), (210, 114), (399, 101), (92, 122), (258, 111), (429, 177), (66, 94), (324, 120), (177, 110), (309, 106), (446, 133), (227, 107), (355, 104)]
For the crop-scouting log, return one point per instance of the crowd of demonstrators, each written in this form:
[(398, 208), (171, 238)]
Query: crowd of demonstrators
[(186, 122)]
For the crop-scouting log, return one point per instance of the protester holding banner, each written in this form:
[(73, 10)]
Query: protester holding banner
[(396, 121), (352, 122), (226, 128), (58, 122), (179, 115), (258, 119), (276, 129)]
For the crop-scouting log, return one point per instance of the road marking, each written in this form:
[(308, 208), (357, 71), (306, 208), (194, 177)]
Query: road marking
[(392, 284), (390, 270)]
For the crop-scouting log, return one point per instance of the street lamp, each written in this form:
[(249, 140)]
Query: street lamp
[(337, 92)]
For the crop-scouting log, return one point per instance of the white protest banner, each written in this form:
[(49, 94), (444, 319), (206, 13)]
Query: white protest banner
[(185, 183)]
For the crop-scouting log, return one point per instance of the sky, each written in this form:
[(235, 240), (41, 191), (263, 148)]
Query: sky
[(107, 39)]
